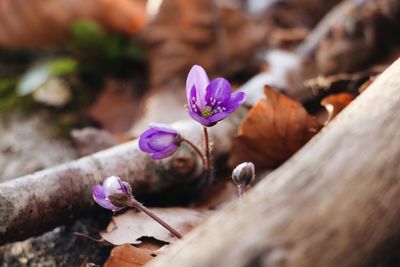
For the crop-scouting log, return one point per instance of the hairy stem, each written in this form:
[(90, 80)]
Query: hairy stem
[(208, 157), (135, 204), (241, 189)]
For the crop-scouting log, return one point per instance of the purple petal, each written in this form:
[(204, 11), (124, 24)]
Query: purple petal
[(192, 100), (199, 118), (235, 101), (198, 77), (218, 116), (163, 127), (144, 140), (144, 145), (165, 153), (126, 187), (98, 192), (123, 186), (112, 185), (218, 91), (100, 198), (160, 141)]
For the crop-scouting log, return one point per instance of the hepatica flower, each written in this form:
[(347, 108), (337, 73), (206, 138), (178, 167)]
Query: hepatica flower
[(210, 102), (112, 186), (116, 194), (159, 140)]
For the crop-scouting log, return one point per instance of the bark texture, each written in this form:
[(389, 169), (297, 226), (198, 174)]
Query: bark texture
[(335, 203), (38, 202)]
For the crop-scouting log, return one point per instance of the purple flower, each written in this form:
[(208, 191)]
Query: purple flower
[(210, 102), (111, 186), (160, 140)]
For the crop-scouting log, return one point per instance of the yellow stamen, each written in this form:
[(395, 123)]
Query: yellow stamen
[(206, 112)]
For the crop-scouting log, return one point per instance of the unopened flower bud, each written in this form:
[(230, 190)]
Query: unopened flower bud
[(160, 140), (113, 194), (244, 174)]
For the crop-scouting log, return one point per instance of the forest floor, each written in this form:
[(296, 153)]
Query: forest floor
[(24, 138)]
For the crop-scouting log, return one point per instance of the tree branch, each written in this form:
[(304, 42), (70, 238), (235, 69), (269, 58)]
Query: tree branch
[(38, 202)]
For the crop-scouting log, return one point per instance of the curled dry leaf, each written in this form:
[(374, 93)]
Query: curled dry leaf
[(275, 128), (130, 226), (336, 103), (129, 256)]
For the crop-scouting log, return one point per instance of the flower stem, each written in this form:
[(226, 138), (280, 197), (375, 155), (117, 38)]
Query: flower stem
[(196, 149), (241, 189), (135, 204), (207, 166)]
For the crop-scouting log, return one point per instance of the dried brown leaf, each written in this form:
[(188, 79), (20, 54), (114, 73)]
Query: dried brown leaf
[(50, 21), (336, 103), (115, 108), (275, 128), (129, 256), (130, 226), (200, 32)]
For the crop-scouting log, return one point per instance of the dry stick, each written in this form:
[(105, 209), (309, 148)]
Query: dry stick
[(133, 203), (334, 203), (38, 202)]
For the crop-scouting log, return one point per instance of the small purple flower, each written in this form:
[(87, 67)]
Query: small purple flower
[(111, 185), (210, 102), (160, 140)]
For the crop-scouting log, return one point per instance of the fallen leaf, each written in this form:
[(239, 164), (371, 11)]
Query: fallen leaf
[(336, 103), (200, 32), (116, 107), (275, 128), (127, 16), (130, 226), (129, 256)]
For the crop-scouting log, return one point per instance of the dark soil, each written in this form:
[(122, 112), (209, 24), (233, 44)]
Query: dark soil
[(59, 247)]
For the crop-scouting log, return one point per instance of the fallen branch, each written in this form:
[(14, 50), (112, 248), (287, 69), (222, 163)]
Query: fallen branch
[(333, 204), (35, 203)]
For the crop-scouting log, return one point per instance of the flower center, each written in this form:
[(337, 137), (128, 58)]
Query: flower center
[(207, 112)]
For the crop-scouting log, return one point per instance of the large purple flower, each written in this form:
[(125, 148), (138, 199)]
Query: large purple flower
[(111, 185), (159, 140), (210, 102)]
